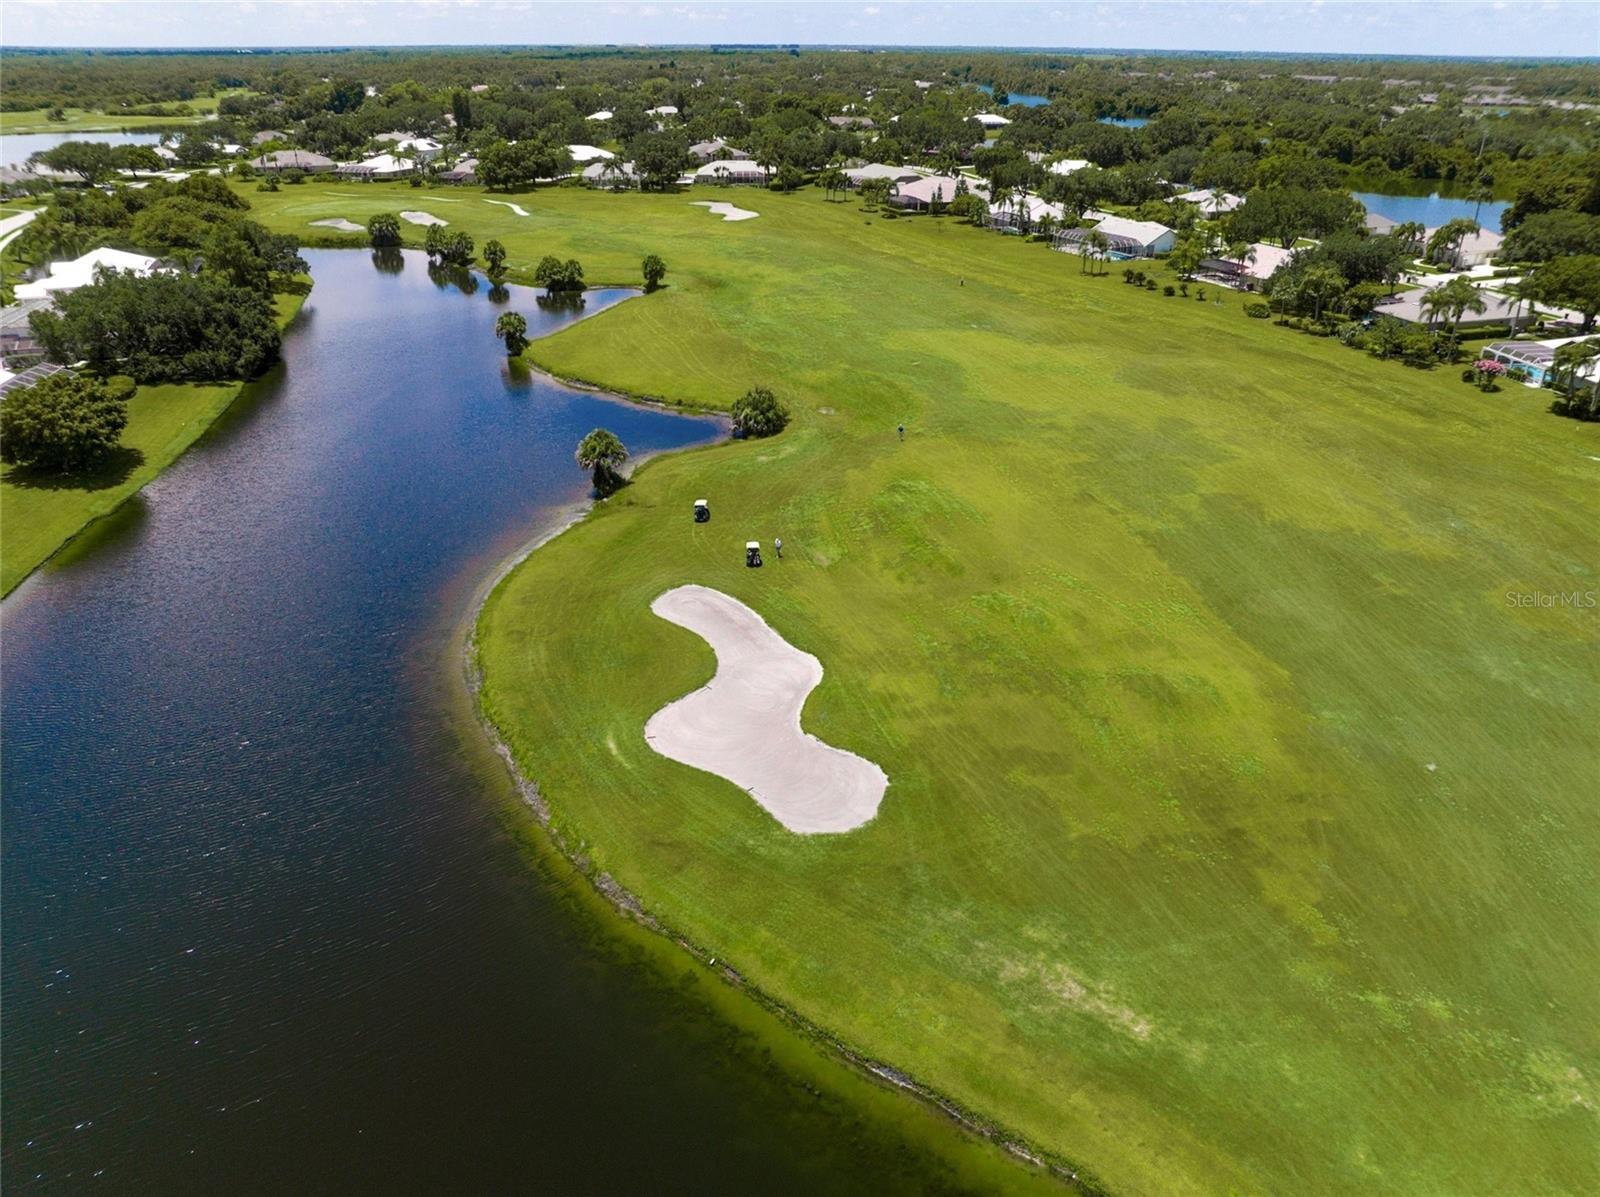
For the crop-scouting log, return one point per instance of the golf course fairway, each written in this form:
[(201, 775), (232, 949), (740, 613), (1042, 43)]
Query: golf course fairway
[(1242, 834)]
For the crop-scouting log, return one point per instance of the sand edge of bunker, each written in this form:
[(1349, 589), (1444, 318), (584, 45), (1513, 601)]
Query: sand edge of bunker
[(744, 723)]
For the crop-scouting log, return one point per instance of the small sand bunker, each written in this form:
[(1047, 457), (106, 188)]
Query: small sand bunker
[(726, 211), (422, 218), (744, 724), (343, 225), (517, 208)]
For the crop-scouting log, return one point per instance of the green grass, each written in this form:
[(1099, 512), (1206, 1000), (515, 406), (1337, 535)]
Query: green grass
[(39, 515), (1240, 835), (94, 120)]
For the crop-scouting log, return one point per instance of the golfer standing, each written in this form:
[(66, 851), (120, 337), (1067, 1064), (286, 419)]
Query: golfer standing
[(777, 546)]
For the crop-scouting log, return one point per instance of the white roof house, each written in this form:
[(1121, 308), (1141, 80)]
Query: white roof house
[(588, 153), (1212, 203), (731, 170), (1265, 259), (992, 120), (878, 170), (663, 110), (608, 172), (394, 135), (1476, 249), (1034, 207), (425, 148), (705, 151), (1067, 166), (383, 166), (79, 272), (604, 114), (1153, 237)]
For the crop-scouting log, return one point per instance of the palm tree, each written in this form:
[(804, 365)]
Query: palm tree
[(1452, 301), (1445, 244), (1242, 252), (1097, 244), (601, 453)]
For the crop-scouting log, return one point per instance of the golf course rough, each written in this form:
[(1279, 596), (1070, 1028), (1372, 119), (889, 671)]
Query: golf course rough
[(1157, 619), (744, 724)]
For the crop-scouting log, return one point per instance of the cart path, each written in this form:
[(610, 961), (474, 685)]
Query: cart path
[(744, 724)]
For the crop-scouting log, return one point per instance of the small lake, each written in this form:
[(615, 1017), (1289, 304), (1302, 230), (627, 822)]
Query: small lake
[(1017, 97), (1432, 210), (16, 148), (270, 917), (1126, 122)]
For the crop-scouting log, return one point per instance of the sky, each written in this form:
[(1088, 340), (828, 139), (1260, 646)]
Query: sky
[(1487, 28)]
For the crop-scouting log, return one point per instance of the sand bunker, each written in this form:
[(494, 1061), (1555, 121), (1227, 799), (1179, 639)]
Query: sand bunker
[(343, 225), (422, 218), (726, 211), (744, 724), (517, 208)]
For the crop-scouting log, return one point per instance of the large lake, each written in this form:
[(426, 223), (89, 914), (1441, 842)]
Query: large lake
[(1432, 210), (16, 148), (271, 918)]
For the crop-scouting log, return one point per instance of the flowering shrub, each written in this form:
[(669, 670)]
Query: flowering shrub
[(1490, 369)]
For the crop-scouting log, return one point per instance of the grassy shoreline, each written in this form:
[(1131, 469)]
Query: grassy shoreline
[(1212, 854), (42, 517)]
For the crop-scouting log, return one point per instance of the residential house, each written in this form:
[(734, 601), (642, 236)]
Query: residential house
[(1498, 309), (992, 120), (1258, 266), (1127, 238), (1024, 213), (716, 148), (423, 149), (1067, 166), (380, 168), (732, 170), (278, 161), (267, 135), (1212, 203), (588, 153), (851, 122), (877, 170), (1475, 249), (1379, 225), (921, 194), (610, 173), (464, 171), (604, 114), (663, 110), (80, 272)]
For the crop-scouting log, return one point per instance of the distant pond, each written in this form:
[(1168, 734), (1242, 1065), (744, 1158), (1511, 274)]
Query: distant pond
[(1026, 99), (1432, 210), (17, 148), (1126, 122)]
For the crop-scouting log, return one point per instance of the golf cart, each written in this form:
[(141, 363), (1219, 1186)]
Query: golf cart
[(702, 512), (752, 554)]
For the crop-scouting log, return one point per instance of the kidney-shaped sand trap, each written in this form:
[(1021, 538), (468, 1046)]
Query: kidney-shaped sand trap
[(726, 211), (744, 724)]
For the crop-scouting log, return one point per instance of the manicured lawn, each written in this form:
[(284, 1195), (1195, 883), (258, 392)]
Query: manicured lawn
[(39, 515), (1240, 835)]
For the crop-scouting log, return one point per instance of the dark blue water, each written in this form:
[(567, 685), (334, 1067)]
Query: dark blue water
[(270, 921), (1432, 210), (15, 148), (1026, 99)]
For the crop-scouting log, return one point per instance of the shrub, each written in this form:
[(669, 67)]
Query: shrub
[(1127, 274), (1257, 310), (270, 183), (1149, 284), (1183, 290), (1200, 294), (384, 229), (63, 424), (293, 175), (1169, 290), (1469, 375), (758, 412)]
